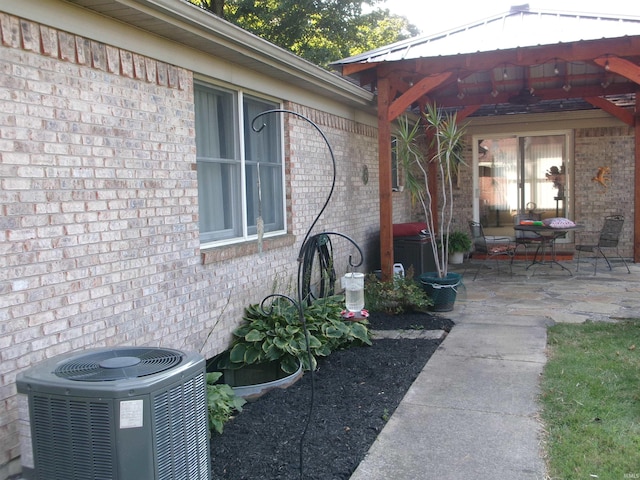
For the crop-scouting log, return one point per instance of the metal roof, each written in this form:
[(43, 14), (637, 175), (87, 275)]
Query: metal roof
[(520, 27), (522, 61)]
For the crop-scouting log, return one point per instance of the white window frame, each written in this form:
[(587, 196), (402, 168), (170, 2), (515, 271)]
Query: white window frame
[(240, 96), (517, 134)]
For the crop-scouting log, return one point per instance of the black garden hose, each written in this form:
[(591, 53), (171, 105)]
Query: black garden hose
[(319, 245)]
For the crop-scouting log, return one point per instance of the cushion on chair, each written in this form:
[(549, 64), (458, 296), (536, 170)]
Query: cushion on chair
[(408, 229), (531, 222), (500, 248)]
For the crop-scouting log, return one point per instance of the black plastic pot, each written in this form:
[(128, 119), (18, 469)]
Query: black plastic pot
[(252, 381)]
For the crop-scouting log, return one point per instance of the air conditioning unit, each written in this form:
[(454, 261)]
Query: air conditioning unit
[(128, 413)]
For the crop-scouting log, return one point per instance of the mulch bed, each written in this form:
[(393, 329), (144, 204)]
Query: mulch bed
[(356, 391)]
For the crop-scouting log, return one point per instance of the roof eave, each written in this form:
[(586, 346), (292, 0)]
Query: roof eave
[(199, 29)]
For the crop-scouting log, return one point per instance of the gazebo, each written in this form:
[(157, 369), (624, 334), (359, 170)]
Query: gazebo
[(519, 62)]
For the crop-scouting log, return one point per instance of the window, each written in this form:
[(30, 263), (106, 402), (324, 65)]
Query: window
[(240, 172), (516, 174), (395, 169)]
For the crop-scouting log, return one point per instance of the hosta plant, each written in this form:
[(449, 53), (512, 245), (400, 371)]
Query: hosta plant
[(275, 333)]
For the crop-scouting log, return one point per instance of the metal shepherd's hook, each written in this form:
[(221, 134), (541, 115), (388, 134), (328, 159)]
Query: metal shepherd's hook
[(303, 295)]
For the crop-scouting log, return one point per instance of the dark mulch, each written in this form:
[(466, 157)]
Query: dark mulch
[(356, 390), (408, 321)]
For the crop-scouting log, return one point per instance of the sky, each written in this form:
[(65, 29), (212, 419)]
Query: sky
[(435, 16)]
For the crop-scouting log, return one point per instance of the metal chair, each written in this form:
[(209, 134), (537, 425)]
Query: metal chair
[(608, 238), (494, 249), (527, 239)]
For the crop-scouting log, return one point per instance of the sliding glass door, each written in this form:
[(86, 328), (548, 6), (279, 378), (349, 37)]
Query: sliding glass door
[(518, 174)]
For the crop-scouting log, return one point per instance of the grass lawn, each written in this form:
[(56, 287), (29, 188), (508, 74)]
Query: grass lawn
[(591, 401)]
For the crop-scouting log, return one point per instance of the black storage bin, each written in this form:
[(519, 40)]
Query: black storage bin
[(414, 251)]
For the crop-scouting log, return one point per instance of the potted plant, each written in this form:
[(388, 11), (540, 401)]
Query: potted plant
[(445, 149), (459, 244)]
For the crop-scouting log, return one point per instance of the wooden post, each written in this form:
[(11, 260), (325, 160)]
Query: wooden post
[(385, 184), (636, 203)]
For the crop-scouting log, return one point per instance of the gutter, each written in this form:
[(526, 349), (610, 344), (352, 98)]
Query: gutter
[(206, 32)]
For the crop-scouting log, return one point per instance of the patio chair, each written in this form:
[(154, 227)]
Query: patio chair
[(608, 237), (493, 248), (527, 239)]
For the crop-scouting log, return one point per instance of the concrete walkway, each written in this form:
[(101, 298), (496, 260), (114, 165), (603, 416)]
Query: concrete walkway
[(473, 411)]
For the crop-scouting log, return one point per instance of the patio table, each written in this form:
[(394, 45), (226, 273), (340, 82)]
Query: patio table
[(548, 236)]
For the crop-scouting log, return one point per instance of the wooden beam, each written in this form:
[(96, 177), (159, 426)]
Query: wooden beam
[(581, 51), (620, 113), (636, 205), (620, 66), (351, 68), (385, 184), (544, 94), (466, 112), (424, 86)]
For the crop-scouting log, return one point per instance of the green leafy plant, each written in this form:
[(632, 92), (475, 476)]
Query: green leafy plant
[(222, 402), (459, 242), (385, 415), (276, 334), (395, 296)]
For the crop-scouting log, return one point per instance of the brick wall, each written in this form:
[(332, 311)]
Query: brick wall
[(98, 207), (354, 208), (463, 190), (611, 147), (99, 240)]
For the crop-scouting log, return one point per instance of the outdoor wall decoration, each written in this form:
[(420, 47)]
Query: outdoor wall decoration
[(602, 177)]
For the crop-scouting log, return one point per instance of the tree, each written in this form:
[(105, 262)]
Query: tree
[(320, 31), (214, 6)]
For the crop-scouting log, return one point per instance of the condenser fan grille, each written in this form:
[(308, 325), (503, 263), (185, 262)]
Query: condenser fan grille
[(118, 364)]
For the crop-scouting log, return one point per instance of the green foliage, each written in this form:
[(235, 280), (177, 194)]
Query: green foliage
[(222, 402), (321, 31), (395, 296), (278, 335), (590, 400), (213, 6), (408, 147), (459, 242)]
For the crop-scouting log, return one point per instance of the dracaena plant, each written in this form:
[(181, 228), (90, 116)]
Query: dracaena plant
[(445, 149)]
